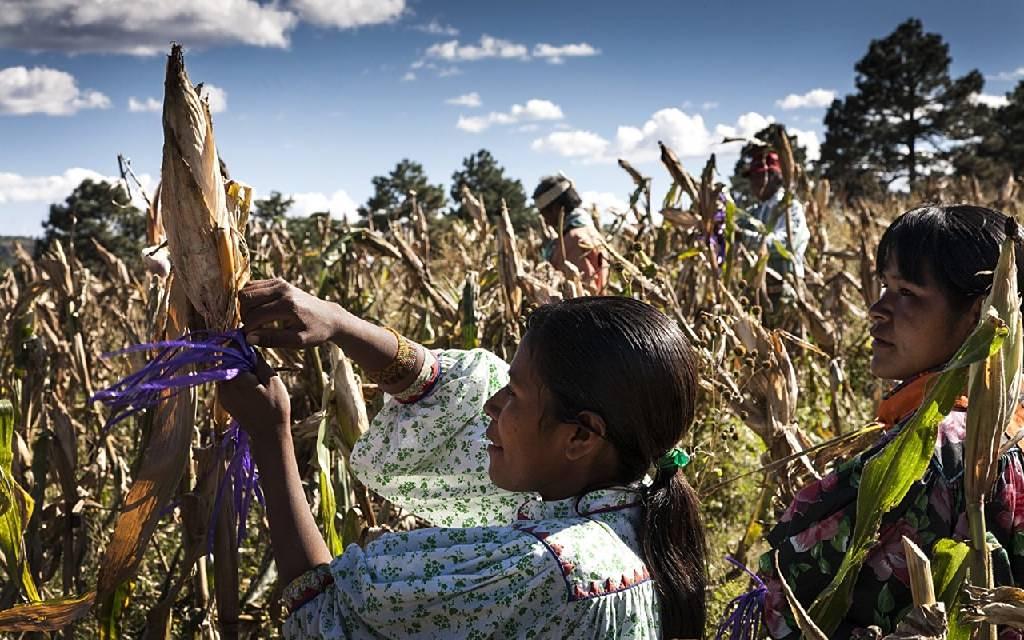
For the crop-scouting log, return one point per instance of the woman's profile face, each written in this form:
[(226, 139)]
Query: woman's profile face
[(914, 327), (524, 455)]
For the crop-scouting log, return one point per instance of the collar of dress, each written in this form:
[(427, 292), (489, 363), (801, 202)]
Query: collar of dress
[(588, 504)]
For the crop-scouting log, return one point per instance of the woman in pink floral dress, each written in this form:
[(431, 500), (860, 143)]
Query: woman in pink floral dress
[(935, 264)]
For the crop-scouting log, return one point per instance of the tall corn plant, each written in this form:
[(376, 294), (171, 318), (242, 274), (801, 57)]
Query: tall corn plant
[(993, 394)]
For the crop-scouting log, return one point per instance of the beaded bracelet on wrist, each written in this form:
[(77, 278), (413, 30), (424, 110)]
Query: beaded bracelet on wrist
[(306, 587), (401, 365)]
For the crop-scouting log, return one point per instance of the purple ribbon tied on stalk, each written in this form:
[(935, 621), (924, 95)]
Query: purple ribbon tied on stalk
[(243, 478), (743, 616), (193, 359)]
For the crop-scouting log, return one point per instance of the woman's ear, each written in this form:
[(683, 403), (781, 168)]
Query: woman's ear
[(587, 437), (976, 310)]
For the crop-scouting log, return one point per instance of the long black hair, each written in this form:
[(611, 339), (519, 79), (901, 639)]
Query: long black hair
[(629, 363), (958, 245)]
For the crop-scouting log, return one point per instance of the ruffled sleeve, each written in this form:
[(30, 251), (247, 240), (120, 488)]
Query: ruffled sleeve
[(436, 583), (430, 457)]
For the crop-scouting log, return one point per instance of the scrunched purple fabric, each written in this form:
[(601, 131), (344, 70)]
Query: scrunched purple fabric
[(194, 359), (744, 613)]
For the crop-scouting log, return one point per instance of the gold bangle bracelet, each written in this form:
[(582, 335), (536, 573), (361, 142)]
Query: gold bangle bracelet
[(401, 365)]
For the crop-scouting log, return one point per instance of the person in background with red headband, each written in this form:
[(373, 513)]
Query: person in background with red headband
[(765, 175)]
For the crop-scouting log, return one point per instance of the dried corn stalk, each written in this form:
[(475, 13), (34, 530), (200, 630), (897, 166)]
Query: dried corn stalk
[(993, 389), (204, 237)]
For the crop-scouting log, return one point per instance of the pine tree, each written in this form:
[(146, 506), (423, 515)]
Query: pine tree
[(390, 193), (906, 114), (999, 149), (485, 177), (101, 211)]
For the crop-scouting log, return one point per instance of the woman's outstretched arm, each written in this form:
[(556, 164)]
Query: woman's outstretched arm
[(277, 314), (261, 405)]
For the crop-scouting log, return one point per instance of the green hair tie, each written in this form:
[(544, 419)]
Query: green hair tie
[(676, 458)]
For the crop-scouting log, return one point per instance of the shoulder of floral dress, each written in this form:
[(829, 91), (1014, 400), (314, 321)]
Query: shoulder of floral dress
[(461, 361), (593, 559)]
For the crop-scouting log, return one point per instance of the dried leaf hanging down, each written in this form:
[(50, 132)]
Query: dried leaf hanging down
[(203, 235), (1002, 605)]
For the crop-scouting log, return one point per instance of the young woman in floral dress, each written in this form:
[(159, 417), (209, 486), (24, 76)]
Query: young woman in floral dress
[(935, 263), (534, 474)]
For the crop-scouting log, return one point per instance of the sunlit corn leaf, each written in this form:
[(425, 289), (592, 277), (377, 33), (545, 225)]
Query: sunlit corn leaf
[(15, 509), (47, 615)]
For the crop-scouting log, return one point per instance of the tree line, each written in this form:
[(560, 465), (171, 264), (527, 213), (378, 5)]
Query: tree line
[(907, 119)]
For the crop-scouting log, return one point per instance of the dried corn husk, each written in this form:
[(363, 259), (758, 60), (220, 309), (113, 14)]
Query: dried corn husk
[(203, 235), (1002, 605), (993, 390)]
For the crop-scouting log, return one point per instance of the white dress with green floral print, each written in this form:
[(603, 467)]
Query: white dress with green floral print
[(504, 565)]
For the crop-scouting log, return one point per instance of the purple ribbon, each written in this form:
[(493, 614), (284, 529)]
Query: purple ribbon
[(243, 479), (194, 359), (744, 614), (214, 356)]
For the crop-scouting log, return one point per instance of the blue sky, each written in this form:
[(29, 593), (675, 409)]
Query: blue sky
[(315, 97)]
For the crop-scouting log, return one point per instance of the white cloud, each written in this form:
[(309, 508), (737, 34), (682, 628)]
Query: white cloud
[(813, 99), (149, 104), (217, 97), (339, 203), (572, 144), (1008, 75), (534, 109), (688, 135), (445, 72), (488, 47), (557, 54), (435, 28), (471, 99), (345, 14), (989, 100), (709, 105), (747, 126), (809, 140), (43, 90), (409, 76), (144, 27), (604, 201), (528, 128), (50, 189)]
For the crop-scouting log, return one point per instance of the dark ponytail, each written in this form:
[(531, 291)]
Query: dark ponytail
[(633, 366), (675, 550)]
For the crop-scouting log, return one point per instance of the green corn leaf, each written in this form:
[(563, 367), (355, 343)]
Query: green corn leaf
[(671, 196), (112, 610), (16, 507), (689, 253), (328, 504), (948, 569), (782, 250), (351, 528), (888, 476)]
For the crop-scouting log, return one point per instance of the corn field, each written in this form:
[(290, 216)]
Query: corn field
[(114, 533)]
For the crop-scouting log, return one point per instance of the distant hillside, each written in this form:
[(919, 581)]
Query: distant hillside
[(7, 248)]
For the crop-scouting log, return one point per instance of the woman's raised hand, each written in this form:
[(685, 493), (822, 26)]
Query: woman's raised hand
[(303, 320)]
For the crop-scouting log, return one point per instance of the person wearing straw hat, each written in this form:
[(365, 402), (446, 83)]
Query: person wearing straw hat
[(766, 222), (577, 242)]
